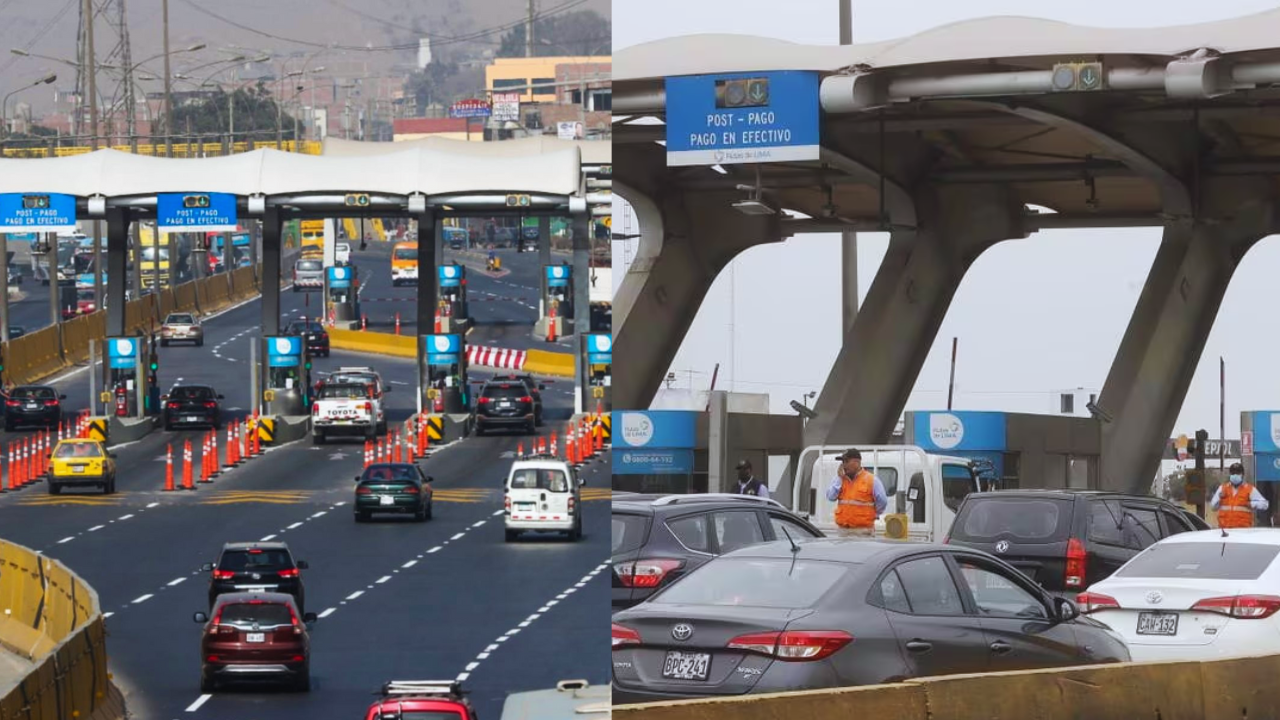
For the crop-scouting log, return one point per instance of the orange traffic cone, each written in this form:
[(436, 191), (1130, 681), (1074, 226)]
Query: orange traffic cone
[(520, 449), (186, 467), (168, 468)]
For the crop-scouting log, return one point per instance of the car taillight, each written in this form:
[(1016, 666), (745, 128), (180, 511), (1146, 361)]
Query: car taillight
[(623, 636), (50, 403), (646, 573), (223, 574), (315, 408), (1091, 602), (506, 503), (212, 658), (1243, 607), (288, 572), (572, 504), (526, 398), (368, 407), (211, 404), (484, 401), (793, 645), (363, 490), (1076, 561), (173, 406), (12, 403)]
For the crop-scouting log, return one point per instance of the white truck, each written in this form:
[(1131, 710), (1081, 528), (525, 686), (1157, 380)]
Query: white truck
[(346, 409), (926, 488)]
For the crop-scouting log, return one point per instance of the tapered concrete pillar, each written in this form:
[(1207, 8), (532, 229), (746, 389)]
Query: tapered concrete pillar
[(1158, 356), (894, 329), (687, 239)]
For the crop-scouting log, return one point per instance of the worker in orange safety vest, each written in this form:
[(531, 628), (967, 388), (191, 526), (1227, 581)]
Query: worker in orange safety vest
[(1236, 500), (860, 497)]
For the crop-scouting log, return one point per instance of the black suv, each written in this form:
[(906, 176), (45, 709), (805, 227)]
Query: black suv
[(192, 405), (256, 567), (534, 387), (506, 404), (1067, 540), (314, 335), (659, 538)]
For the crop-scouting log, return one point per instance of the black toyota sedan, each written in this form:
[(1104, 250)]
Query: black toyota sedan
[(192, 405), (827, 613), (33, 405)]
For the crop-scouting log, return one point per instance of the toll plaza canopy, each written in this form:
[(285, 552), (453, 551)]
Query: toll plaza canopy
[(593, 152), (1004, 100), (404, 171)]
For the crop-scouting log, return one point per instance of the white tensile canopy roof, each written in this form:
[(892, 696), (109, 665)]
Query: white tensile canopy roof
[(414, 169), (594, 152)]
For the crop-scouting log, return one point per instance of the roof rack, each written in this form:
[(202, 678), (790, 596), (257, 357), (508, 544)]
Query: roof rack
[(443, 688), (703, 497)]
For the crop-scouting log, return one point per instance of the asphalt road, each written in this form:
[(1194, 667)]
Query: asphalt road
[(401, 600)]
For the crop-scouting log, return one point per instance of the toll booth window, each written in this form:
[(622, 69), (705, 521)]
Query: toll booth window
[(405, 253), (149, 254), (33, 394), (284, 377), (548, 479), (957, 482), (191, 393), (344, 392), (78, 450)]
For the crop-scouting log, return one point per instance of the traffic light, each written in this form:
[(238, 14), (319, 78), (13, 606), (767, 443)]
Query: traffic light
[(195, 201)]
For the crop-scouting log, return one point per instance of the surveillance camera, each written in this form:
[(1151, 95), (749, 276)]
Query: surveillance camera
[(805, 412), (1097, 412)]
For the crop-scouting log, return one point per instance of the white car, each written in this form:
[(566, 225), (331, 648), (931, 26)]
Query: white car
[(542, 494), (1199, 595), (342, 253)]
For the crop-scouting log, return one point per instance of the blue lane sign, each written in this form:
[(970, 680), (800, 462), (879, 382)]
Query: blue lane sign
[(206, 212), (558, 275), (742, 118), (450, 275), (122, 352), (42, 212), (339, 277), (284, 351), (443, 349), (652, 462), (600, 349)]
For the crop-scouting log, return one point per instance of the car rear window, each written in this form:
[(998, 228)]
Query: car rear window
[(191, 393), (250, 560), (406, 253), (264, 614), (1202, 561), (506, 391), (180, 320), (389, 473), (1023, 519), (33, 394), (78, 450), (309, 265), (344, 392), (756, 582), (540, 479), (628, 532)]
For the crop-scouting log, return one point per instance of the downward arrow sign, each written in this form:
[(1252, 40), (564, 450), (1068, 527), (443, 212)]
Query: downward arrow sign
[(507, 455), (338, 456)]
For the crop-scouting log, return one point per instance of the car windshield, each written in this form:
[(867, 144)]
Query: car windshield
[(255, 560), (406, 253), (1202, 561), (180, 320), (78, 450), (33, 393), (261, 614), (390, 473), (539, 479), (344, 392), (309, 265), (191, 393), (755, 582)]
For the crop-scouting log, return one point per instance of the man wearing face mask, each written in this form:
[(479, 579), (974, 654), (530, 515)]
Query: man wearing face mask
[(1236, 500)]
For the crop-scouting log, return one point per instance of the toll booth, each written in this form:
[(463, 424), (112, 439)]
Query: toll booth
[(68, 297), (1260, 454), (444, 375), (597, 376), (451, 287), (287, 379), (555, 302), (342, 293), (132, 364)]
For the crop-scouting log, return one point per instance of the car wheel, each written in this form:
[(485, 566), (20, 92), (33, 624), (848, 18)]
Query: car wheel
[(362, 516), (420, 516), (317, 437), (295, 288), (576, 534), (303, 682), (200, 342), (164, 343), (9, 427), (168, 426), (512, 535), (532, 428), (382, 428), (54, 488), (207, 683), (430, 509)]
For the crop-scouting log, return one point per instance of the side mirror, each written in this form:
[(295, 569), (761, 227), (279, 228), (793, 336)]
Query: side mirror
[(207, 567), (582, 481), (431, 479), (222, 397), (111, 455), (357, 478), (542, 386), (387, 389), (164, 397), (1065, 609), (62, 397), (303, 565), (309, 618), (200, 617)]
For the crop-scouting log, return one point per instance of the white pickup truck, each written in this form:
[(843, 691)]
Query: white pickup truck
[(926, 488), (346, 409)]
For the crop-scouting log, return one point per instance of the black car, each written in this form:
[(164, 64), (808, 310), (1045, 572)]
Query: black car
[(192, 405), (1066, 540), (256, 567), (399, 488), (38, 405), (314, 334), (832, 613), (505, 404), (534, 387), (658, 539)]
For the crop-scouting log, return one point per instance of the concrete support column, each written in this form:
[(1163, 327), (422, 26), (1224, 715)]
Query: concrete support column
[(427, 274), (1157, 358), (272, 225), (891, 336), (117, 260), (544, 244), (848, 280), (718, 442)]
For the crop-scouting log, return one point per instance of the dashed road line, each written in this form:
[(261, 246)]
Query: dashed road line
[(196, 705), (176, 581), (144, 598), (327, 612)]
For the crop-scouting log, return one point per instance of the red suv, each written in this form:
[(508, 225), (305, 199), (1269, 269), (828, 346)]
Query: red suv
[(434, 699), (252, 636)]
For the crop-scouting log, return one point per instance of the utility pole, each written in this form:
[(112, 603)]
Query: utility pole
[(126, 57), (848, 239), (168, 89), (528, 33), (92, 62)]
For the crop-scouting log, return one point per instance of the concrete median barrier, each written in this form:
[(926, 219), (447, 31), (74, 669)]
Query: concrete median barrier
[(1212, 690), (541, 362), (52, 620), (376, 343)]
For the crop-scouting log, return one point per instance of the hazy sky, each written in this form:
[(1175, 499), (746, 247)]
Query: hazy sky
[(1034, 317)]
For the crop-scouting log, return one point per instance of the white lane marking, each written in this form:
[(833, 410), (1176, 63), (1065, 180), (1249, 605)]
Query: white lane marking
[(328, 612), (472, 666), (177, 581), (463, 676), (476, 525), (66, 540), (107, 614), (96, 528), (455, 537), (355, 595), (295, 525), (200, 701), (499, 512), (126, 517), (383, 579), (267, 537), (409, 564), (322, 513), (434, 549), (144, 598), (155, 504)]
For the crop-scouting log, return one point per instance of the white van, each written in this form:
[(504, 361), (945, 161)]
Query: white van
[(926, 488), (342, 253), (542, 494)]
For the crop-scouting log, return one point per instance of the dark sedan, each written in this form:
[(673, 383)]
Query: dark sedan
[(192, 405), (399, 488), (314, 334), (826, 613), (38, 405)]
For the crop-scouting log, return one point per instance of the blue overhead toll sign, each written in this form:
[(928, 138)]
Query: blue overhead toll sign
[(742, 118), (204, 212), (40, 212)]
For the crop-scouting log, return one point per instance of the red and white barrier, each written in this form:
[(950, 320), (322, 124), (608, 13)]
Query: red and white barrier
[(501, 358)]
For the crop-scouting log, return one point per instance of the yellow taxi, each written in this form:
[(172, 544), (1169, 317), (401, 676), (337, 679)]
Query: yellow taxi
[(81, 462)]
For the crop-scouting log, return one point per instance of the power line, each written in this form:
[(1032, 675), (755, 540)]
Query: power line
[(38, 36)]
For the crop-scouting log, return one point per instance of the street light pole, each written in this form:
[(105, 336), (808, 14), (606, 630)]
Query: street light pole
[(168, 86), (93, 74)]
